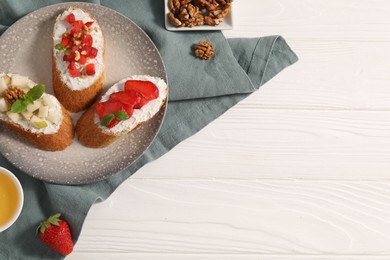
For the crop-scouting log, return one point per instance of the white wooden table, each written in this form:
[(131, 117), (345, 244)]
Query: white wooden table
[(299, 170)]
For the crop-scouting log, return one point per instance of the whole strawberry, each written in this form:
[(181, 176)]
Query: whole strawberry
[(54, 232)]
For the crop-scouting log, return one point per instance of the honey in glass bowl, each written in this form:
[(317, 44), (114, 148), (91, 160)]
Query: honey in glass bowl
[(11, 198)]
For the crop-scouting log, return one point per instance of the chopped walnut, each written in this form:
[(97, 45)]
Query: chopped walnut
[(224, 2), (211, 21), (11, 94), (204, 50), (173, 20), (220, 13), (210, 5), (191, 13), (174, 5), (185, 2)]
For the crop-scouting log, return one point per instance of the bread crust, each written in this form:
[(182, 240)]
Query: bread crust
[(51, 142), (89, 134)]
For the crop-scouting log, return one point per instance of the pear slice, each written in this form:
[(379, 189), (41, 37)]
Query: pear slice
[(19, 81), (4, 106), (14, 116), (38, 122)]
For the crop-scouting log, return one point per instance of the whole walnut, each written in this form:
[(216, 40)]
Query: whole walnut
[(204, 50)]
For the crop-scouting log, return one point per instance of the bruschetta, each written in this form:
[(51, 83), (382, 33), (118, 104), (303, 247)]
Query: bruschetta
[(78, 59), (33, 114), (125, 106)]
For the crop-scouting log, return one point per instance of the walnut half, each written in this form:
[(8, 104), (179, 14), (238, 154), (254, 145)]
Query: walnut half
[(204, 50), (12, 94)]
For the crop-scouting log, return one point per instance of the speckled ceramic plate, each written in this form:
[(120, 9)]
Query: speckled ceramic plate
[(25, 48)]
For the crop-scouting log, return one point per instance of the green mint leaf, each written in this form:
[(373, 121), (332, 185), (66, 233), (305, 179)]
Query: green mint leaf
[(121, 115), (18, 106), (107, 119), (67, 52), (27, 99), (59, 47), (36, 92)]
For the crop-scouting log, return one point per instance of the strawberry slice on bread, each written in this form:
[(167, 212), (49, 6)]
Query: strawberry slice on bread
[(126, 105)]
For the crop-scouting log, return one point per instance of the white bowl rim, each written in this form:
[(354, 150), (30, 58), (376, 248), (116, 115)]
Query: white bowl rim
[(21, 200)]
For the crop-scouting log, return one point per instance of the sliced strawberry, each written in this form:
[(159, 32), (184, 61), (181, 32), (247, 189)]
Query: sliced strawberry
[(143, 101), (127, 97), (89, 24), (73, 32), (82, 59), (71, 56), (108, 107), (87, 40), (85, 50), (73, 71), (90, 69), (147, 89), (64, 42), (92, 53), (77, 27), (66, 58), (113, 123), (129, 109), (70, 18)]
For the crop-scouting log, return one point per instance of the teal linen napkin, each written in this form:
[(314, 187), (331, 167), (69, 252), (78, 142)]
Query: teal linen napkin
[(200, 91)]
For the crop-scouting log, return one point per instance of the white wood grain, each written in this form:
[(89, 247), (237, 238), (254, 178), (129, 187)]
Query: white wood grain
[(254, 218), (299, 170), (307, 20), (147, 256), (249, 143), (332, 76)]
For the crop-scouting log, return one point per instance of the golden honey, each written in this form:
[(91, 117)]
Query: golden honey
[(9, 199)]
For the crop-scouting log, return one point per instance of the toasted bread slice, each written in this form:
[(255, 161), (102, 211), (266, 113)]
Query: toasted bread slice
[(92, 133), (78, 44), (44, 122)]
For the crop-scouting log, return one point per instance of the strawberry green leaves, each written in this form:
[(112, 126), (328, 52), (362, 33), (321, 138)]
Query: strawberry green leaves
[(53, 220)]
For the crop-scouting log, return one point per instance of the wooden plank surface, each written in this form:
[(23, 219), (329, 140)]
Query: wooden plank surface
[(250, 143), (242, 217), (299, 170)]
